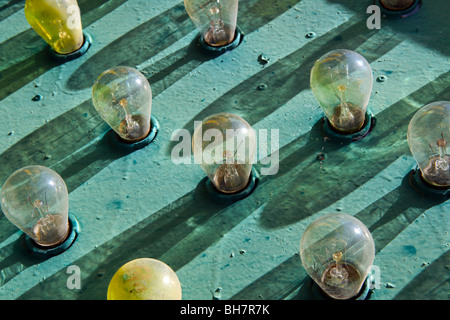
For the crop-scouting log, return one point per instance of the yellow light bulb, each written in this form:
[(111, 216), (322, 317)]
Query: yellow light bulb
[(58, 22), (144, 279)]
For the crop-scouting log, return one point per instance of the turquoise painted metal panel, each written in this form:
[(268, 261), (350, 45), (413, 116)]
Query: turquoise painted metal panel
[(141, 204)]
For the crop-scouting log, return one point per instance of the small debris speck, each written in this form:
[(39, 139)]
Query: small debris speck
[(321, 156), (263, 59), (37, 97), (262, 86)]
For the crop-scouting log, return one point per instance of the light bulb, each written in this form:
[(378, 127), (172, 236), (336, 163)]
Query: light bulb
[(215, 19), (224, 146), (58, 22), (341, 81), (123, 98), (144, 279), (396, 5), (428, 137), (36, 200), (337, 251)]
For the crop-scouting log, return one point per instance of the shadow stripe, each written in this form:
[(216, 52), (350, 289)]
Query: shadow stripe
[(80, 126), (433, 283), (285, 279), (10, 8), (152, 37), (179, 232), (290, 75), (25, 57)]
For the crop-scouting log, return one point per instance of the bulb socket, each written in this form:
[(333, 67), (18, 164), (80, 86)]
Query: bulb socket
[(404, 13), (74, 55), (123, 145), (422, 186), (47, 252), (363, 294), (216, 51), (233, 197), (369, 125)]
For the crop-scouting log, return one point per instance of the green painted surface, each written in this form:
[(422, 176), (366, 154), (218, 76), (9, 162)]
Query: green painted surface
[(141, 204)]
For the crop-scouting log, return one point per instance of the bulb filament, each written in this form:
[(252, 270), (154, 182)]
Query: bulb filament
[(231, 176), (217, 34), (346, 118), (441, 157), (38, 206), (131, 124), (436, 171), (45, 229), (133, 127), (213, 11), (339, 276)]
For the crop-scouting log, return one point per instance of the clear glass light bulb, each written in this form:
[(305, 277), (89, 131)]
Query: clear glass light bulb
[(58, 22), (428, 138), (215, 19), (123, 98), (144, 279), (224, 146), (397, 5), (36, 200), (341, 81), (337, 251)]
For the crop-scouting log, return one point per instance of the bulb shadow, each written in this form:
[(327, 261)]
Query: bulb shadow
[(279, 283), (385, 218), (391, 214), (289, 76), (67, 145), (160, 32), (15, 258), (10, 8), (175, 66), (140, 44), (312, 186), (176, 234), (30, 59), (74, 136), (430, 284), (424, 27)]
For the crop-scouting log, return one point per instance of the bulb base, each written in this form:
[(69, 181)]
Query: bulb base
[(333, 135), (233, 197), (74, 55), (399, 13), (44, 252), (216, 51), (127, 146), (420, 185), (363, 294)]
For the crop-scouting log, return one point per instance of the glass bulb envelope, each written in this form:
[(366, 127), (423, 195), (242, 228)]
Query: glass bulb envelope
[(341, 82), (35, 199), (337, 251)]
